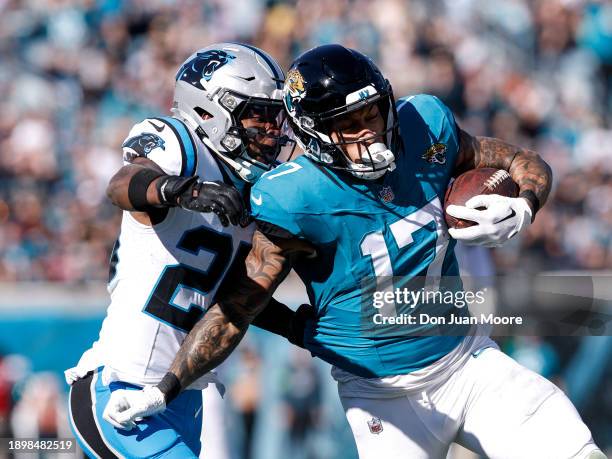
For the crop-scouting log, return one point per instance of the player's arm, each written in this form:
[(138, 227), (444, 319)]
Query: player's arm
[(280, 319), (216, 335), (142, 186), (119, 185), (223, 326), (275, 317), (530, 172), (502, 217)]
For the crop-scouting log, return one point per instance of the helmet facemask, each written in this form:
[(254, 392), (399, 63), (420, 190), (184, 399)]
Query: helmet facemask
[(229, 94), (257, 133), (376, 155), (255, 136)]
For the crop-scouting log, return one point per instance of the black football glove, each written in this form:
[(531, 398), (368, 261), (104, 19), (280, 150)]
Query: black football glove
[(218, 197), (191, 194), (298, 324)]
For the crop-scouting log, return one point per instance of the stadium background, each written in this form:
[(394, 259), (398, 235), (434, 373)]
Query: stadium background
[(75, 74)]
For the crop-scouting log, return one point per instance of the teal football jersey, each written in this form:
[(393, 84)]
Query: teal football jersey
[(367, 231)]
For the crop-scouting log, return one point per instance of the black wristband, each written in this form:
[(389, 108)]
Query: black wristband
[(533, 200), (170, 386), (137, 189)]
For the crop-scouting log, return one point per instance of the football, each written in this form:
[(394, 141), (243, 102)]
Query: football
[(474, 182)]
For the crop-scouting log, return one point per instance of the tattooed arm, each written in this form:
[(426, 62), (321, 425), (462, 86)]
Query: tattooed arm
[(245, 295), (527, 169), (499, 218), (242, 296)]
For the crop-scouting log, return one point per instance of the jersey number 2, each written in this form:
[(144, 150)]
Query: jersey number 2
[(161, 303)]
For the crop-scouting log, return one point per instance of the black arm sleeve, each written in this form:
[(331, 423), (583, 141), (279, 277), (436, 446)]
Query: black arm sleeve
[(270, 229), (275, 318)]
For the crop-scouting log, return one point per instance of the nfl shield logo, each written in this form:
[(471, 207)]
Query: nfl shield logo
[(386, 194), (375, 425)]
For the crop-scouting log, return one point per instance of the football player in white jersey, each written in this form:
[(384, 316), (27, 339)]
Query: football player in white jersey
[(184, 224)]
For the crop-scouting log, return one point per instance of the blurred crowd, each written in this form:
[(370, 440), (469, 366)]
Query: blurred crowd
[(32, 405), (76, 74)]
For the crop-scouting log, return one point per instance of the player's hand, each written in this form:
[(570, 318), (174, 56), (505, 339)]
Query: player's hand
[(501, 219), (125, 407), (302, 315), (218, 197)]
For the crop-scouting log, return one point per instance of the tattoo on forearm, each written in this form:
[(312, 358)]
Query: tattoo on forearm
[(528, 170), (267, 262), (211, 340), (532, 173), (243, 294)]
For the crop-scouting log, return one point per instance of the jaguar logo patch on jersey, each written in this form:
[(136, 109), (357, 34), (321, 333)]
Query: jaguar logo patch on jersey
[(386, 194), (375, 425), (436, 154), (295, 89), (202, 67), (142, 145)]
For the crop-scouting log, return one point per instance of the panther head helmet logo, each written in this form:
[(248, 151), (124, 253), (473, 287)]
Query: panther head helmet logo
[(202, 67)]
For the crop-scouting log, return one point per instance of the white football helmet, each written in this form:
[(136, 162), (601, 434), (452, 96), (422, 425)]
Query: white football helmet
[(217, 87)]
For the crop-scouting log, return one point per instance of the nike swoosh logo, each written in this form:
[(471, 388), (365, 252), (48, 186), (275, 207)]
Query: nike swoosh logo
[(157, 128), (258, 200)]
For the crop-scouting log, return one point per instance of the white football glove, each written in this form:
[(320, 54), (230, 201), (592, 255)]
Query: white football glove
[(502, 219), (127, 406)]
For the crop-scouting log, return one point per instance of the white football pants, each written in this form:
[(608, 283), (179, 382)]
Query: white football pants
[(491, 405)]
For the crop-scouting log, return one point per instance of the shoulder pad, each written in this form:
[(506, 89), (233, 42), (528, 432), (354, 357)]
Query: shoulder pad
[(164, 140)]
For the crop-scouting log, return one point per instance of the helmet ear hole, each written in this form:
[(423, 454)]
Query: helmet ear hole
[(203, 113)]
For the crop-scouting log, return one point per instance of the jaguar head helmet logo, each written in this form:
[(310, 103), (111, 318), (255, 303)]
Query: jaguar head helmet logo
[(295, 89)]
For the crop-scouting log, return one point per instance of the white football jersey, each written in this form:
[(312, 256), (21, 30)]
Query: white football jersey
[(163, 277)]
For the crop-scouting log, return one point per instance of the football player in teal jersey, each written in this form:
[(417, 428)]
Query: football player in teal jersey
[(365, 202)]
